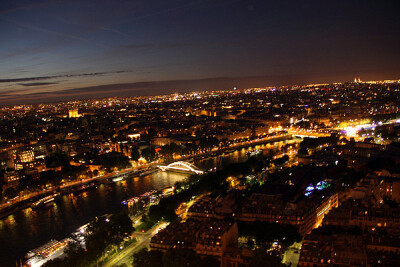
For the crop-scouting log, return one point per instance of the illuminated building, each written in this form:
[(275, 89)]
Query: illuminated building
[(355, 213), (73, 113), (344, 247), (26, 156), (326, 250), (211, 238), (134, 136), (11, 179), (306, 214), (207, 207)]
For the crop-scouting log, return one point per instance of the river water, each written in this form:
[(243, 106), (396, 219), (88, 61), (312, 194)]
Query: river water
[(28, 229)]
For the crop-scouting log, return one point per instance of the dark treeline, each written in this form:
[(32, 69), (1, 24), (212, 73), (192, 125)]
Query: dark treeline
[(311, 143), (264, 232)]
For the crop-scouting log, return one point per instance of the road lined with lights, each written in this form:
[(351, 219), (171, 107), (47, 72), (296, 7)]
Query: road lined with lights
[(143, 240)]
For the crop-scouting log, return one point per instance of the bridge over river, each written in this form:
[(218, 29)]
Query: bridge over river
[(181, 166)]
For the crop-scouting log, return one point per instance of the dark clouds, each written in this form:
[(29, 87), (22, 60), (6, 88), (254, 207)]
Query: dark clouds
[(49, 48), (27, 79), (37, 84)]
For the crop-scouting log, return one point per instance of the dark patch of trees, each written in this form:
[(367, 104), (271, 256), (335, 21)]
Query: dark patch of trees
[(381, 163), (149, 153), (282, 160), (135, 154), (57, 159), (311, 143), (112, 160), (268, 232), (303, 151), (10, 192)]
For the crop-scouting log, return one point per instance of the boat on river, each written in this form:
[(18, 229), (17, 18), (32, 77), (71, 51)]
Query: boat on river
[(82, 188), (45, 201), (120, 178), (254, 153), (151, 194)]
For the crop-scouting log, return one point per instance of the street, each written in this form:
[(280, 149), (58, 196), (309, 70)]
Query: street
[(143, 240)]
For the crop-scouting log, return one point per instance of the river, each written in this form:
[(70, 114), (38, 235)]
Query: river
[(28, 229)]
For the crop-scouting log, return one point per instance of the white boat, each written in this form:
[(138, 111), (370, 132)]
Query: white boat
[(48, 251), (46, 200), (120, 178), (254, 153)]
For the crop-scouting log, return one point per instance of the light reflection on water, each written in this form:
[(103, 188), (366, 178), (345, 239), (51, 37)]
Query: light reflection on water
[(29, 228)]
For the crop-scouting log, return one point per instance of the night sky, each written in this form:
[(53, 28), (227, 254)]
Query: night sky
[(61, 50)]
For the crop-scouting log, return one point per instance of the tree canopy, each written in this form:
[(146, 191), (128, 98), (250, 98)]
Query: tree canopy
[(112, 160)]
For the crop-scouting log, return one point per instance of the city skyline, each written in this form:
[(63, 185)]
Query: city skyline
[(229, 133), (282, 166), (65, 50)]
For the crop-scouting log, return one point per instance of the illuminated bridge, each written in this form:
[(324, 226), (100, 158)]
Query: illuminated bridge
[(181, 166)]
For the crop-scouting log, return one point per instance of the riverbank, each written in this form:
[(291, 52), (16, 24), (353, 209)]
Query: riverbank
[(76, 186), (7, 209), (216, 152)]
